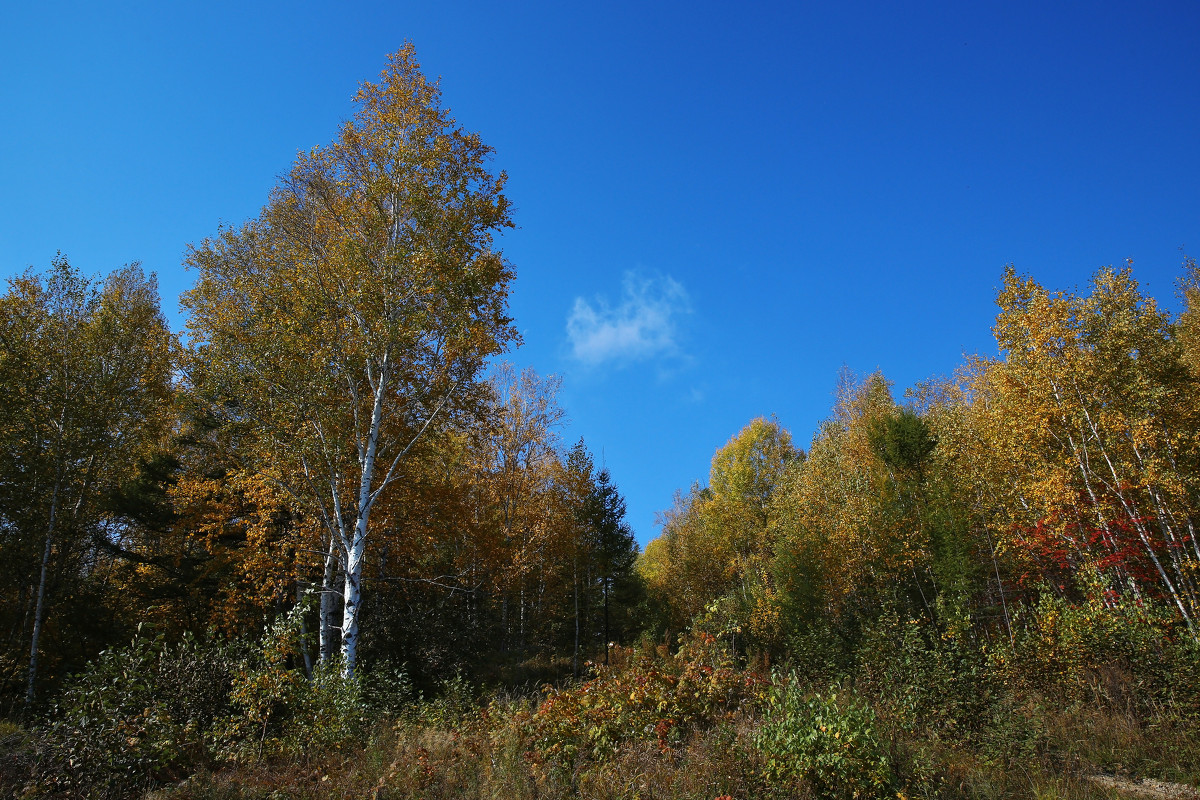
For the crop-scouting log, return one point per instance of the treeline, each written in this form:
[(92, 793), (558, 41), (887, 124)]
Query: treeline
[(130, 499), (1065, 471), (327, 436)]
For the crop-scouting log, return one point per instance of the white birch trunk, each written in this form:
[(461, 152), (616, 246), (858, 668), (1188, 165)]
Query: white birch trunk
[(352, 595), (328, 614)]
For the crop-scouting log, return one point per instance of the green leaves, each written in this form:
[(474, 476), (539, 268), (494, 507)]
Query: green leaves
[(829, 743), (902, 440)]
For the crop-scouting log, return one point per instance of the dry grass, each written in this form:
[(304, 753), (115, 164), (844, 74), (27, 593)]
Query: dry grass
[(345, 773), (1090, 740), (477, 762), (486, 757)]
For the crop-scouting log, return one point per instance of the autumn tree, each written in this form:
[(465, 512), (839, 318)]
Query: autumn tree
[(718, 540), (952, 490), (871, 523), (434, 562), (236, 537), (355, 310), (682, 570), (86, 375), (1096, 409), (521, 471), (1188, 326)]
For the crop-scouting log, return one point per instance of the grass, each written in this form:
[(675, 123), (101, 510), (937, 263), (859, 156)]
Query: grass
[(487, 756)]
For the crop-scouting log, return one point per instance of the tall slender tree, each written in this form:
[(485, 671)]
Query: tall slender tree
[(355, 310)]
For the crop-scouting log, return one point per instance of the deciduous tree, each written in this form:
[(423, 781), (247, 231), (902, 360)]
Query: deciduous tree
[(86, 375), (356, 308), (1098, 411)]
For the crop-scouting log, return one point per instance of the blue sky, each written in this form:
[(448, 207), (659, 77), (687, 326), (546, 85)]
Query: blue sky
[(720, 204)]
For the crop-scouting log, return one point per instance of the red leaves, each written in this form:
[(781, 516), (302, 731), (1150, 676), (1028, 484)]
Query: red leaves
[(1059, 545)]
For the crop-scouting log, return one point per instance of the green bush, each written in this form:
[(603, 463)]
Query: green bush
[(276, 708), (1181, 692), (135, 716), (927, 680), (454, 701), (829, 743), (388, 689)]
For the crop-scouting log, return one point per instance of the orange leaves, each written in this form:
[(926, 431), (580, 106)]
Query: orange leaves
[(352, 316), (250, 542)]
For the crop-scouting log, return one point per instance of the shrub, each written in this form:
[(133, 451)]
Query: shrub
[(928, 680), (18, 752), (454, 701), (1111, 649), (829, 743), (135, 716), (387, 689), (276, 708), (652, 698)]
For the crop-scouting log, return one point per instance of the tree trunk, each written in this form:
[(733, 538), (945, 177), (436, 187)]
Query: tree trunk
[(353, 600), (575, 586), (39, 611), (329, 608), (606, 621), (352, 597)]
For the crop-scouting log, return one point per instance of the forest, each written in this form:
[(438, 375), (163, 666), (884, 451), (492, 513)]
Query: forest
[(329, 542)]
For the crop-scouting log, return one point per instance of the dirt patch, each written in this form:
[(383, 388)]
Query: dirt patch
[(1147, 787)]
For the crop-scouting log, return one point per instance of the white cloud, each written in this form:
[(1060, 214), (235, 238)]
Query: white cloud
[(643, 326)]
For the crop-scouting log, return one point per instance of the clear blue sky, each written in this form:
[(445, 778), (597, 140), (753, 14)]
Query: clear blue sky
[(719, 204)]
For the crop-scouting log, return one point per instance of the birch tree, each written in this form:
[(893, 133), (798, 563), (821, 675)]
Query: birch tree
[(353, 312), (1095, 395)]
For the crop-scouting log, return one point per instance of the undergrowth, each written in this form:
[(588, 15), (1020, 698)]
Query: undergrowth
[(931, 713)]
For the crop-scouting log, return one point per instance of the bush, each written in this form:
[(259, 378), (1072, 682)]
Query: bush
[(829, 743), (1111, 649), (454, 701), (18, 752), (153, 712), (929, 681), (387, 689), (652, 698), (276, 708), (135, 716), (1181, 692)]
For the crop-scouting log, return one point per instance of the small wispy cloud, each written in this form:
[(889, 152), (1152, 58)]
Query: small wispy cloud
[(642, 326)]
